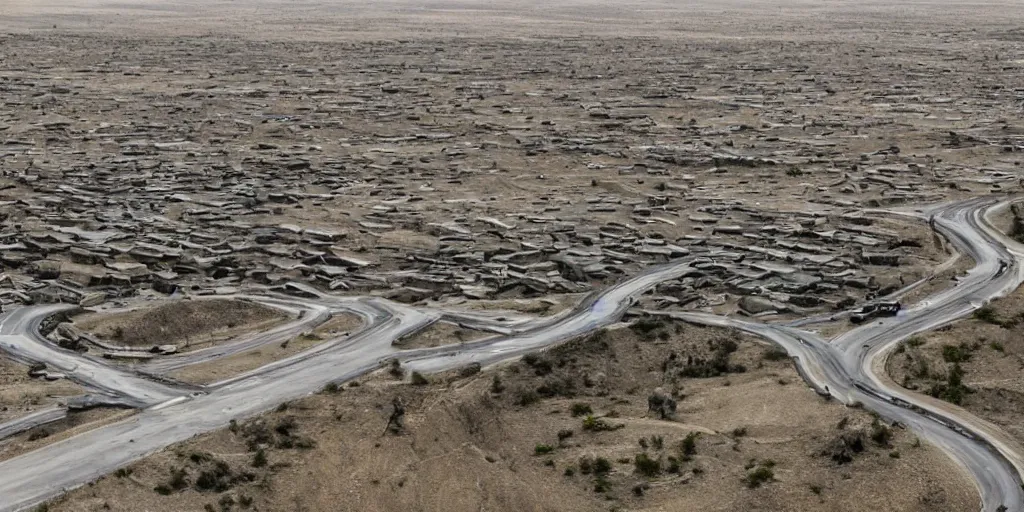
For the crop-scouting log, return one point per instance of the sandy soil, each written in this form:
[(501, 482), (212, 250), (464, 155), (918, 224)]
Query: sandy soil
[(190, 324), (220, 369), (438, 334), (21, 394)]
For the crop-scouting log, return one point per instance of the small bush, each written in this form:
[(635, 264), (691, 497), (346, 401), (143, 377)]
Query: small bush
[(541, 366), (647, 466), (657, 442), (598, 425), (688, 446), (525, 397), (739, 431), (496, 386), (987, 314), (419, 380), (881, 434), (956, 353), (179, 479), (564, 434), (646, 327), (759, 476), (775, 354), (259, 460), (543, 449)]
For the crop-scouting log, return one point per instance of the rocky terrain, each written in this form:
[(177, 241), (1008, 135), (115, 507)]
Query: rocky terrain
[(488, 166)]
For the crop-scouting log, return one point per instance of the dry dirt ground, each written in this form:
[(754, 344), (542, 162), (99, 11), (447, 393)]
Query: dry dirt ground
[(205, 373), (494, 155), (519, 437), (76, 422), (190, 324), (440, 333), (21, 394), (988, 350)]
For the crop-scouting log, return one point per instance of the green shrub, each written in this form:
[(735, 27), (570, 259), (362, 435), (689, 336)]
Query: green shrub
[(525, 397), (880, 434), (419, 380), (759, 476), (594, 424), (647, 466), (259, 460), (987, 314), (956, 353), (688, 446), (543, 449)]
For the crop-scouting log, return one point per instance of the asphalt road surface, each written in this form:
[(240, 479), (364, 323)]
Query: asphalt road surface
[(843, 368)]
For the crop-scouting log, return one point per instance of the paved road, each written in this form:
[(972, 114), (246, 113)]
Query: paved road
[(843, 368), (20, 339)]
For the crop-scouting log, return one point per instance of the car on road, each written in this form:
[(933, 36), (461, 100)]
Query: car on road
[(869, 311)]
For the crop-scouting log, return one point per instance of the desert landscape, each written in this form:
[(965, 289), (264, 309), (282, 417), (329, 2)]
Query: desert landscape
[(648, 255)]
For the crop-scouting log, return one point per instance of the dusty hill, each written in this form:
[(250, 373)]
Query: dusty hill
[(569, 429), (975, 363), (185, 322)]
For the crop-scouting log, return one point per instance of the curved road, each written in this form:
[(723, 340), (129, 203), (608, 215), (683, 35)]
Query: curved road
[(844, 368)]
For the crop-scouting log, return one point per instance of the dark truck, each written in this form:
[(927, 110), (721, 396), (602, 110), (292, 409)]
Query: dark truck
[(874, 310)]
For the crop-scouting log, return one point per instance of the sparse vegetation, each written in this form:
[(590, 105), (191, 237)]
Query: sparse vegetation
[(956, 353), (688, 446), (759, 476), (775, 354), (881, 434), (580, 409), (987, 314), (595, 424), (953, 390), (564, 434), (646, 465), (259, 459), (419, 380)]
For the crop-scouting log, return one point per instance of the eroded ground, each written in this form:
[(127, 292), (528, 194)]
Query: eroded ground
[(188, 324), (517, 158)]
